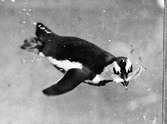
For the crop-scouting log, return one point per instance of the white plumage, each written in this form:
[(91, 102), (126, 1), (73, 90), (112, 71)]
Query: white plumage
[(128, 65), (65, 64)]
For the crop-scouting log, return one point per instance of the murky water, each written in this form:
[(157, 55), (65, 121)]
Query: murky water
[(131, 28)]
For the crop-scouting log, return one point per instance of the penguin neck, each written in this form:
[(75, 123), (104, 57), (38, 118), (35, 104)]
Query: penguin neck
[(111, 59)]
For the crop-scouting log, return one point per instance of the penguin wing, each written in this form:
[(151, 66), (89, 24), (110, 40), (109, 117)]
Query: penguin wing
[(71, 79)]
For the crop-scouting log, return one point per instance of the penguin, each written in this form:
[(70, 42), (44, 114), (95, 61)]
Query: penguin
[(78, 59)]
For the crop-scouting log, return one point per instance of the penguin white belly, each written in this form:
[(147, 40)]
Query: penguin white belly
[(65, 64)]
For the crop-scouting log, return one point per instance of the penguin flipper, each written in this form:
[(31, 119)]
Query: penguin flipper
[(71, 79)]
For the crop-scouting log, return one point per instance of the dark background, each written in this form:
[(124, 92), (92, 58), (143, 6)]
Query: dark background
[(132, 28)]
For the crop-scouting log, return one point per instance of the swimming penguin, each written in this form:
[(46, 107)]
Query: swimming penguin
[(79, 60)]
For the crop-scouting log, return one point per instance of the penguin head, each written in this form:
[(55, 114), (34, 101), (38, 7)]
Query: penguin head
[(122, 66)]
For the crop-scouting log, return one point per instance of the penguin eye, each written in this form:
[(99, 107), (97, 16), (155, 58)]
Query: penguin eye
[(115, 72)]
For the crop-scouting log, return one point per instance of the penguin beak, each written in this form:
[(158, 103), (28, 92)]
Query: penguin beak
[(125, 84)]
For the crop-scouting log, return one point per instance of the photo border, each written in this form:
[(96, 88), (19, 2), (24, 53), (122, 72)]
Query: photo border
[(164, 86)]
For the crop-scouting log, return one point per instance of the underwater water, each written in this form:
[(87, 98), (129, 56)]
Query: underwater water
[(132, 28)]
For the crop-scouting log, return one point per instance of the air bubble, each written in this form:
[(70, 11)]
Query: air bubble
[(154, 120), (13, 1), (23, 22), (104, 11), (34, 23), (28, 14), (144, 117), (24, 9), (30, 10), (148, 89)]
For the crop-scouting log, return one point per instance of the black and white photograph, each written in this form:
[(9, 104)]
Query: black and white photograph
[(83, 61)]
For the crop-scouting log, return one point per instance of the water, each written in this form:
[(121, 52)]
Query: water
[(124, 28)]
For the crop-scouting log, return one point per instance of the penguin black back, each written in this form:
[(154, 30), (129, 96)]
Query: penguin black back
[(73, 49)]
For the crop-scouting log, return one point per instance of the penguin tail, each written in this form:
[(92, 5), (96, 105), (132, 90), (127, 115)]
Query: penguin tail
[(43, 32)]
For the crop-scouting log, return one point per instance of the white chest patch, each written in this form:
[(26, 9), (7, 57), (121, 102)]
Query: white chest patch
[(65, 64)]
